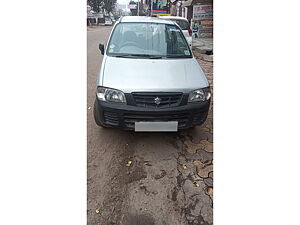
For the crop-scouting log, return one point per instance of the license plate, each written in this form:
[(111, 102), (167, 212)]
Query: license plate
[(156, 126)]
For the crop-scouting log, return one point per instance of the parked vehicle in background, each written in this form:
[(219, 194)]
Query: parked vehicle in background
[(108, 21), (113, 19), (184, 25), (149, 79)]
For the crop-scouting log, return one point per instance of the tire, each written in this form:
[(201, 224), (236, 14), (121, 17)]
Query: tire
[(97, 115)]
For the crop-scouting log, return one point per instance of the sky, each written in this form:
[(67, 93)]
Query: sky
[(123, 1)]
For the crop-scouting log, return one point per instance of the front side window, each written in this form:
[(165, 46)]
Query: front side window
[(148, 39), (184, 25)]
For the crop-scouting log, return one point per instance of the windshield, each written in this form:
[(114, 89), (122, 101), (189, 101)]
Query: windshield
[(148, 39)]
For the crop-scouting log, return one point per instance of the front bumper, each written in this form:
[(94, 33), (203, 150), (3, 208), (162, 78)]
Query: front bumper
[(124, 116)]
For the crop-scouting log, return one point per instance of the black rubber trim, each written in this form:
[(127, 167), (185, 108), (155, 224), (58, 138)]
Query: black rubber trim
[(196, 113)]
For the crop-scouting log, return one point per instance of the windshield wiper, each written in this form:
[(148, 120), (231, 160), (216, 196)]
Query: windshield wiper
[(123, 55), (148, 56), (138, 56), (179, 56)]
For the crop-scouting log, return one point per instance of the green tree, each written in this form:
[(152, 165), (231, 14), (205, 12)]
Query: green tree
[(96, 4), (109, 5)]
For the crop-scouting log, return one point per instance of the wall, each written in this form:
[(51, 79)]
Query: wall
[(203, 18)]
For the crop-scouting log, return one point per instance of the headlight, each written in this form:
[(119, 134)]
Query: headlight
[(110, 95), (200, 95)]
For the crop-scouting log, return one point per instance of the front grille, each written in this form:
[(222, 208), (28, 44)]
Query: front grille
[(130, 119), (157, 100), (110, 118)]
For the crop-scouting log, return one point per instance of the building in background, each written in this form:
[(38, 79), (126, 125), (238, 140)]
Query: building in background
[(117, 11), (91, 19), (158, 7), (198, 12)]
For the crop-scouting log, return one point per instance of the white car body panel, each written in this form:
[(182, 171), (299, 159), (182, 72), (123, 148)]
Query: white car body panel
[(146, 75), (152, 75)]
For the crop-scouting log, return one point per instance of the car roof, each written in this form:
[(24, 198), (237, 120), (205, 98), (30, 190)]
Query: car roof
[(144, 19), (173, 18)]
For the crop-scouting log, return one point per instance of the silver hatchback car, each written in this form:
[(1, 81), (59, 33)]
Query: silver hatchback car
[(149, 79)]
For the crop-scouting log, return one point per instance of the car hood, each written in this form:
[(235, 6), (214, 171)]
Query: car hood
[(152, 75)]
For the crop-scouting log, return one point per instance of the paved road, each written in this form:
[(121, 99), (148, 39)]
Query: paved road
[(170, 178)]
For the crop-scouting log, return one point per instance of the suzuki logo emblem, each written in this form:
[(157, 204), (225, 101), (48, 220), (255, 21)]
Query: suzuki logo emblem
[(157, 100)]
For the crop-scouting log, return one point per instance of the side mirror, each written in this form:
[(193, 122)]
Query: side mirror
[(101, 48)]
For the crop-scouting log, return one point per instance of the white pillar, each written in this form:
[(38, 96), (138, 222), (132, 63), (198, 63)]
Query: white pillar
[(186, 12), (151, 7)]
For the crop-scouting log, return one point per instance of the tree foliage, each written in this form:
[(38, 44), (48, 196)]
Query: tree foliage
[(97, 5), (109, 5)]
